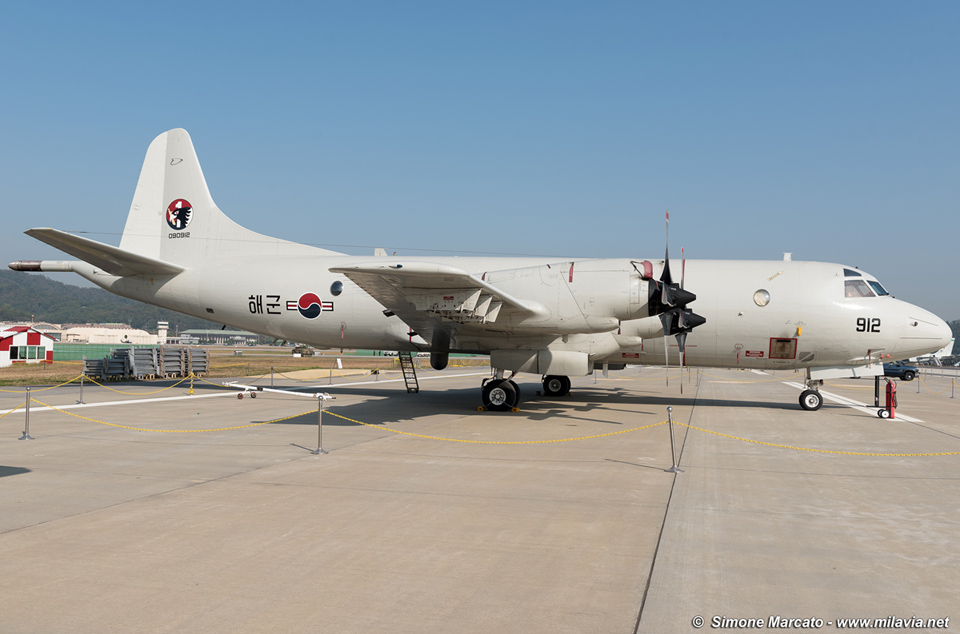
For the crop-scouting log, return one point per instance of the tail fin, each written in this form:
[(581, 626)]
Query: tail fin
[(173, 217)]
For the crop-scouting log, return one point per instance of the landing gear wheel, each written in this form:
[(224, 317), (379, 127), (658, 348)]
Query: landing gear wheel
[(556, 385), (516, 388), (811, 400), (500, 395)]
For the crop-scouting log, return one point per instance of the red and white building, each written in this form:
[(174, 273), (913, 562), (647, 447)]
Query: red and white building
[(23, 344)]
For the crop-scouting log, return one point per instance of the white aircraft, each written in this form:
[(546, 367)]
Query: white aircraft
[(936, 357), (553, 318)]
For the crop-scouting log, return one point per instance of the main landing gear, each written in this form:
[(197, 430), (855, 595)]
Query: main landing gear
[(556, 385), (810, 398), (500, 394), (503, 395)]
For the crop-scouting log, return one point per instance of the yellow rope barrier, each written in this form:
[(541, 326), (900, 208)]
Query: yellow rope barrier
[(479, 442), (848, 387), (396, 431), (495, 442), (171, 431), (927, 387), (14, 409), (829, 451), (164, 389), (42, 389), (208, 382), (290, 378), (723, 378)]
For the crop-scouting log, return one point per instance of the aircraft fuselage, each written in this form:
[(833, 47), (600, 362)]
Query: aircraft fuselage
[(759, 314)]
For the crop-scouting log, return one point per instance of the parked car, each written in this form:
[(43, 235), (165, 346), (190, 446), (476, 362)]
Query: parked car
[(900, 370)]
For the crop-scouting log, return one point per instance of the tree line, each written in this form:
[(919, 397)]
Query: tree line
[(35, 297)]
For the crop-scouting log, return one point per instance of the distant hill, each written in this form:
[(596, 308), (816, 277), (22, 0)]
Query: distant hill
[(30, 295)]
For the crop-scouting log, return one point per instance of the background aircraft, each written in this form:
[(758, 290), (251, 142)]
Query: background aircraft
[(556, 319)]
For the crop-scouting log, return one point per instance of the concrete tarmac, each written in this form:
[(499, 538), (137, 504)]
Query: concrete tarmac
[(119, 516)]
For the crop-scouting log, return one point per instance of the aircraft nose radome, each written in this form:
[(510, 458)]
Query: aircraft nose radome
[(936, 330), (924, 333), (945, 333)]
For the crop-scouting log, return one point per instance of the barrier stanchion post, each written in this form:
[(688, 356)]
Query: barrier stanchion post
[(673, 446), (26, 419), (271, 376), (331, 376), (319, 450), (952, 381), (191, 384), (80, 402)]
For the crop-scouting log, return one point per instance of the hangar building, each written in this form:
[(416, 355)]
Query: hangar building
[(23, 344)]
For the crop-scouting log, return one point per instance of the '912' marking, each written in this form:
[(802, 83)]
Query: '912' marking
[(868, 324)]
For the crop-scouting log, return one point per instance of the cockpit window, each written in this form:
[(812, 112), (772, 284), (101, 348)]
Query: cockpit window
[(857, 288), (850, 273), (880, 290)]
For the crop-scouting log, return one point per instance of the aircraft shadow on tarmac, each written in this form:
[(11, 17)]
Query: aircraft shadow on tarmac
[(391, 406), (12, 471)]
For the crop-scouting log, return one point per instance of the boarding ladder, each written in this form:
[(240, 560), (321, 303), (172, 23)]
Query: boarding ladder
[(409, 371)]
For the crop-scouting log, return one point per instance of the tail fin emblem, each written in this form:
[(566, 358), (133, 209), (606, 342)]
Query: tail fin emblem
[(179, 214)]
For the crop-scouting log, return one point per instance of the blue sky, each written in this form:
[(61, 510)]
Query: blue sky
[(826, 129)]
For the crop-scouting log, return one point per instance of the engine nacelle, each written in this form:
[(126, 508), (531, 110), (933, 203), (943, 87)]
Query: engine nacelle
[(559, 362)]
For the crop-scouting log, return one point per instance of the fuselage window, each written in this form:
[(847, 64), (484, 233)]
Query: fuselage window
[(856, 288), (880, 290)]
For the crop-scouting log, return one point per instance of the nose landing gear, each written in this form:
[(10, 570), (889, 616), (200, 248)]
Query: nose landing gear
[(811, 399)]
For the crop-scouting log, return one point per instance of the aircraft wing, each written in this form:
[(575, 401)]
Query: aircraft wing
[(111, 259), (432, 297)]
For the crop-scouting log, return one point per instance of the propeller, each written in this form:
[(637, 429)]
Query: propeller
[(670, 304)]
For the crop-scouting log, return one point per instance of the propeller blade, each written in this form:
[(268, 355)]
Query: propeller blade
[(682, 343), (666, 359), (683, 267), (665, 276)]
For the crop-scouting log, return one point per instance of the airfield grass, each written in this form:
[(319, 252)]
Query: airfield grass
[(223, 363)]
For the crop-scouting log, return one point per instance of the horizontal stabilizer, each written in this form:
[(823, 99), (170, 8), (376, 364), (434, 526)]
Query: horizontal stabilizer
[(103, 256)]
